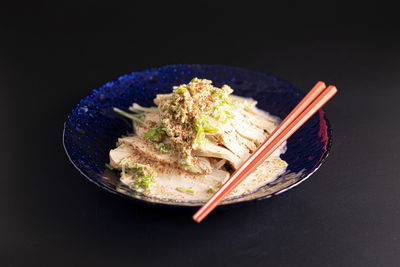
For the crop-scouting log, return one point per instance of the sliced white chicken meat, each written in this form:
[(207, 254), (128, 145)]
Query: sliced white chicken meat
[(171, 182), (246, 129), (260, 119), (152, 116), (250, 145), (202, 165), (141, 129), (161, 98), (178, 185), (267, 172), (148, 150), (257, 117), (243, 101), (228, 137), (120, 153), (150, 120), (126, 153), (212, 149)]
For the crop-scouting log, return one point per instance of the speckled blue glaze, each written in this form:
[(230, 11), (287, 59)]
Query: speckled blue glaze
[(92, 128)]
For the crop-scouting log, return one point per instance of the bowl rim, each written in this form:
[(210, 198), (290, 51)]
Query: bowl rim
[(185, 204)]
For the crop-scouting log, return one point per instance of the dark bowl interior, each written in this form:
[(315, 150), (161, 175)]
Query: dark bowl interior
[(92, 127)]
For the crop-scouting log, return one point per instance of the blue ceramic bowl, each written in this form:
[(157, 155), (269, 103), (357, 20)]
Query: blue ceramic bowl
[(92, 128)]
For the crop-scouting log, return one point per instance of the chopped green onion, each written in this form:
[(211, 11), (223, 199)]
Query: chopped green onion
[(151, 133), (143, 181), (218, 94), (142, 174), (138, 108), (200, 136), (182, 190), (211, 191), (163, 148), (208, 127), (221, 113), (180, 90), (135, 117), (109, 166), (155, 134)]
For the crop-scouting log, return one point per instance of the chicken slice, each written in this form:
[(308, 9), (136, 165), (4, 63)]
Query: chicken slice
[(246, 129), (150, 120), (202, 165), (152, 116), (119, 153), (264, 174), (161, 98), (168, 179), (131, 155), (243, 101), (260, 119), (148, 150), (251, 146), (211, 149), (256, 116), (229, 138)]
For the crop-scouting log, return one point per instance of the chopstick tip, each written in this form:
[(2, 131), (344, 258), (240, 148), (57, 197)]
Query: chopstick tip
[(196, 218), (332, 88), (321, 84)]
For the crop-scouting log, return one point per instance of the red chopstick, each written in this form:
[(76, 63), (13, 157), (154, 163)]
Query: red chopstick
[(307, 107)]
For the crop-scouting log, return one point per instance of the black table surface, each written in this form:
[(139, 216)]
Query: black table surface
[(53, 54)]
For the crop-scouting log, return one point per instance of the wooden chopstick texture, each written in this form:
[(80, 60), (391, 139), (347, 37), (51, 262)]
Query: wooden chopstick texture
[(307, 107)]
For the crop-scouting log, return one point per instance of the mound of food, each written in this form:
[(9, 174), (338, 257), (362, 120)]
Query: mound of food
[(187, 146)]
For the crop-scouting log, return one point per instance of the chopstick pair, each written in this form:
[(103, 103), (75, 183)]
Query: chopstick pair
[(307, 107)]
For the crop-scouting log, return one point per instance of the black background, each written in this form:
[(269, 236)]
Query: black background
[(53, 53)]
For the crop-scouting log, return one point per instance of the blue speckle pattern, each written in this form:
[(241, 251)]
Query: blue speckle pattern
[(92, 128)]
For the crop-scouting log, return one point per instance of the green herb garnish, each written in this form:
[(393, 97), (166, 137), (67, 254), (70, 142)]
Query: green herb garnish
[(142, 174), (208, 127), (136, 118), (221, 113), (155, 134), (163, 148), (200, 135), (182, 190), (180, 90), (211, 191), (109, 166), (143, 181), (139, 109)]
